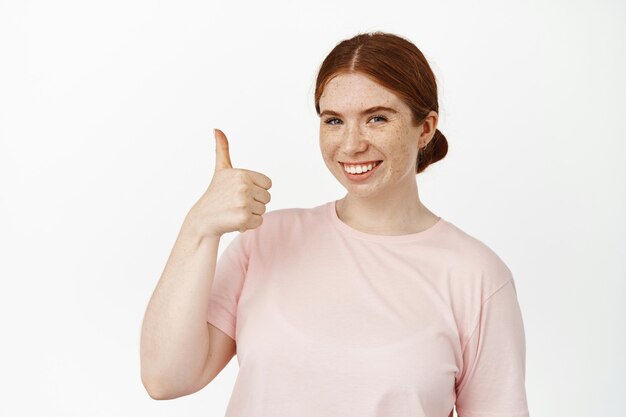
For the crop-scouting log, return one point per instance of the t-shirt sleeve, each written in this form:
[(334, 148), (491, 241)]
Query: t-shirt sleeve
[(230, 272), (492, 383)]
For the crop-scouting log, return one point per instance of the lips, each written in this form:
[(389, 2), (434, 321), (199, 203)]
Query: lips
[(349, 167), (363, 176), (360, 163)]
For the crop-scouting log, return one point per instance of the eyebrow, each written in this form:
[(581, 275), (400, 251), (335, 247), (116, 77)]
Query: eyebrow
[(364, 112)]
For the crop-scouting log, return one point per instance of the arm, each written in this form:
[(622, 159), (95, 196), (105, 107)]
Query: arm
[(174, 335)]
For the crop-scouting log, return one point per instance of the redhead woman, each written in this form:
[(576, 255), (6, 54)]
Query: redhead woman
[(370, 305)]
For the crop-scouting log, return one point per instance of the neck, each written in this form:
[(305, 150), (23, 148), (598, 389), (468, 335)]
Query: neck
[(385, 215)]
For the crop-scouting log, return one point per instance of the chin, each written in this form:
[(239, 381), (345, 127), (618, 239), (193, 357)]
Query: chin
[(361, 190)]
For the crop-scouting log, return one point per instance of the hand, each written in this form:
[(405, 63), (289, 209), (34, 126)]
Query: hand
[(235, 199)]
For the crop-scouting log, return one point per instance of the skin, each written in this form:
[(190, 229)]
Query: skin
[(388, 202)]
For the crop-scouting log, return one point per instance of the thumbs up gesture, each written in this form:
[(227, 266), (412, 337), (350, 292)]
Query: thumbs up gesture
[(235, 199), (222, 154)]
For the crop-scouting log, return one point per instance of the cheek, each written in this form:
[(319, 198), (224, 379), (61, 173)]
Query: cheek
[(400, 153), (327, 150), (328, 143)]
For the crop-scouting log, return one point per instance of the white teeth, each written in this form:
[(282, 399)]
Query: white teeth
[(358, 169)]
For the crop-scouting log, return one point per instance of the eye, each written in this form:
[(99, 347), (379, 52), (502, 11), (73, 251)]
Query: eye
[(380, 117), (328, 121)]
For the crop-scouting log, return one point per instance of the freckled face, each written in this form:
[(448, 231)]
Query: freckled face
[(378, 135)]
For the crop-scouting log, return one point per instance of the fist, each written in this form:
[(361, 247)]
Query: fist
[(235, 198)]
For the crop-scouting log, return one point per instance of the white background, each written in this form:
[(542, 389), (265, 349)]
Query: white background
[(106, 117)]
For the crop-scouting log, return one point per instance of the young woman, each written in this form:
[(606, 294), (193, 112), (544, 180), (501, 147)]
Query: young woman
[(371, 305)]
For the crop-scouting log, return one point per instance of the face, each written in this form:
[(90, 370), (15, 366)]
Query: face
[(349, 135)]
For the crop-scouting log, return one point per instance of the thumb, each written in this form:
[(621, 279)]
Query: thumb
[(222, 156)]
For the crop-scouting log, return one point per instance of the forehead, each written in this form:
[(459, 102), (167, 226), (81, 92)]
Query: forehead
[(350, 93)]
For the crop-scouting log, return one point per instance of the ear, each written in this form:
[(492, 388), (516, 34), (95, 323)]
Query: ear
[(429, 127)]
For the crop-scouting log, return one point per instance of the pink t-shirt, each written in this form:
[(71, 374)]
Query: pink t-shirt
[(331, 321)]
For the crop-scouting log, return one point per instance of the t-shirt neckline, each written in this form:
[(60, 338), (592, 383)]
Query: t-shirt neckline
[(350, 231)]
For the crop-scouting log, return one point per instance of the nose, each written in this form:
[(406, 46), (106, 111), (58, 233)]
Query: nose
[(354, 141)]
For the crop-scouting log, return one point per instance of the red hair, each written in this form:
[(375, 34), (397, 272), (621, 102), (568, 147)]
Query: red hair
[(397, 64)]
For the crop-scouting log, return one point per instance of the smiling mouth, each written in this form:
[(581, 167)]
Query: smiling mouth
[(374, 164)]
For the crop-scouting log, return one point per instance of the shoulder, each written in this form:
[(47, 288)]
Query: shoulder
[(284, 219), (285, 222), (473, 260), (286, 214)]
